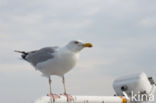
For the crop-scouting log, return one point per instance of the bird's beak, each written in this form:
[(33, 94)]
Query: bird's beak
[(87, 45)]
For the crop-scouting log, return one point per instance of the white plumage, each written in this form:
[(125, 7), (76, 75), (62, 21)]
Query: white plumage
[(63, 61)]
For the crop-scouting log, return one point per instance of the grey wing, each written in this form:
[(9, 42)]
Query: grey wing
[(41, 55)]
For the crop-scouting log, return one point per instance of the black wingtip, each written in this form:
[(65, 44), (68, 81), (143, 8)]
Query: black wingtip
[(19, 51), (24, 54)]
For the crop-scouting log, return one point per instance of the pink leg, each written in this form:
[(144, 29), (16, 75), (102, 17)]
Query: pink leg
[(69, 97), (54, 96)]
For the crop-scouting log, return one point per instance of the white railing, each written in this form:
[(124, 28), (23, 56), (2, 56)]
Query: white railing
[(84, 99)]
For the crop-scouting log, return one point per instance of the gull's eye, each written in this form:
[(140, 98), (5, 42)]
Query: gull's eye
[(76, 42)]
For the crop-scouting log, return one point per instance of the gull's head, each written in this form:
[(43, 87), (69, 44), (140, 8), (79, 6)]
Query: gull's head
[(77, 45)]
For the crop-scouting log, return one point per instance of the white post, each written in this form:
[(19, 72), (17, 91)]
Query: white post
[(84, 99)]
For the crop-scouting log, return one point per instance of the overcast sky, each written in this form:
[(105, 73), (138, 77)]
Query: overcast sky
[(123, 33)]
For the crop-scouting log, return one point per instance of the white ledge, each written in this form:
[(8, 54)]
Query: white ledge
[(84, 99)]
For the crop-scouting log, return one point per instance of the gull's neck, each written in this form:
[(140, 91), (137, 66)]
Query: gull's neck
[(68, 49)]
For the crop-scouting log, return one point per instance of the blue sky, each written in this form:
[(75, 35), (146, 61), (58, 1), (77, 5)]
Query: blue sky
[(122, 31)]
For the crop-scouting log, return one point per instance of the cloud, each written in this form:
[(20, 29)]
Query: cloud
[(15, 67), (148, 22), (27, 19)]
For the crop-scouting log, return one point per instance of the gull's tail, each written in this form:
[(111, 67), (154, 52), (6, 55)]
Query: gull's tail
[(24, 54)]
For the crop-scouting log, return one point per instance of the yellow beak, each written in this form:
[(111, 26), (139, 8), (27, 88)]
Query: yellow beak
[(87, 45)]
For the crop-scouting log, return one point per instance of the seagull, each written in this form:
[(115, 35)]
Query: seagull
[(55, 61)]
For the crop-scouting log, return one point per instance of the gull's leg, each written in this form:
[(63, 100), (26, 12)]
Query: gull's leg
[(54, 96), (69, 97)]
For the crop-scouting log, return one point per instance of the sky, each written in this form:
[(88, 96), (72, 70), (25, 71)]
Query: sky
[(122, 31)]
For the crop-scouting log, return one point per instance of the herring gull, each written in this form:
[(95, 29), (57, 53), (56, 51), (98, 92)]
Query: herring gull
[(55, 61)]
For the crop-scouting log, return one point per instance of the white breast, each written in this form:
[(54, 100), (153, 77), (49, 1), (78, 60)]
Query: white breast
[(67, 61), (61, 64)]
